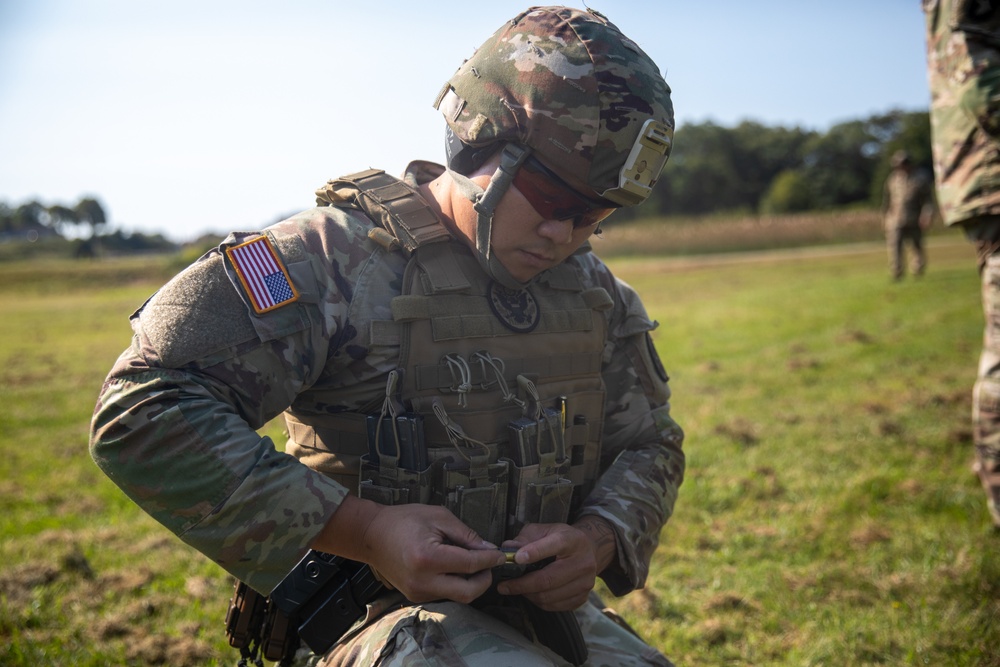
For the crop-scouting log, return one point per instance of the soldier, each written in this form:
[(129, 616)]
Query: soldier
[(963, 58), (906, 212), (457, 372)]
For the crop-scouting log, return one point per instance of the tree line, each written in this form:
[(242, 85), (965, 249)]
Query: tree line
[(34, 221), (755, 169), (749, 169)]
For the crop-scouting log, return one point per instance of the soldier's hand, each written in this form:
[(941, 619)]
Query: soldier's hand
[(423, 551), (565, 583)]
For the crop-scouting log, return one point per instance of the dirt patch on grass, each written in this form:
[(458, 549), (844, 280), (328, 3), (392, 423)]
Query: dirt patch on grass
[(730, 602), (117, 614), (740, 431), (715, 632), (154, 649)]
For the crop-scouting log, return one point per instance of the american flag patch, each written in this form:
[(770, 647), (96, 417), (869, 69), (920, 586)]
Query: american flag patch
[(263, 275)]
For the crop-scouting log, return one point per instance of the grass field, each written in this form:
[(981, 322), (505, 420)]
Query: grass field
[(828, 516)]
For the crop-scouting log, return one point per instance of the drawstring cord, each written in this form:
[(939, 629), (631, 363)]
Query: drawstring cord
[(461, 376), (496, 364)]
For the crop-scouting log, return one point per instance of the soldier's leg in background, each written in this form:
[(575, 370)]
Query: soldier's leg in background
[(440, 633), (919, 254), (894, 244), (611, 643), (986, 394)]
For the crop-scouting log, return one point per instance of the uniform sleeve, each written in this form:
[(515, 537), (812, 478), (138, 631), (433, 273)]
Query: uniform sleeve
[(642, 457), (969, 60), (175, 425), (979, 94)]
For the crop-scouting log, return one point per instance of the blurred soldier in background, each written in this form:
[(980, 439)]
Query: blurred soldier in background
[(963, 58), (457, 373), (906, 212)]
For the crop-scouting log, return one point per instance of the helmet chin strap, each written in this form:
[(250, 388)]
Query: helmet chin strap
[(485, 203)]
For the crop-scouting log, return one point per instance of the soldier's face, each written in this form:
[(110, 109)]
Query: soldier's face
[(527, 243), (524, 240)]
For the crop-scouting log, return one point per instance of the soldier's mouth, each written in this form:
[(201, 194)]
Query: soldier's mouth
[(546, 259)]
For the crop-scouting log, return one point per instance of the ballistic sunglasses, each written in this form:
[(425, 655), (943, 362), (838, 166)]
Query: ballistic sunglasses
[(553, 198)]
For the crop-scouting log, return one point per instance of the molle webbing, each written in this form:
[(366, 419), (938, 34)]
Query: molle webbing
[(475, 319), (390, 202), (544, 369)]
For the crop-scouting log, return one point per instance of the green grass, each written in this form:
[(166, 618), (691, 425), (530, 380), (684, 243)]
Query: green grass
[(828, 516)]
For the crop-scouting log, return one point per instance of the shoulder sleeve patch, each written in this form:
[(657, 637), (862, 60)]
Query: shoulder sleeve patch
[(262, 274)]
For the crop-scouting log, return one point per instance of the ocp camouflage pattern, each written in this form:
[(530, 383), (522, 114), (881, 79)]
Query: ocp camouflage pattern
[(963, 53), (176, 423), (565, 82), (455, 635)]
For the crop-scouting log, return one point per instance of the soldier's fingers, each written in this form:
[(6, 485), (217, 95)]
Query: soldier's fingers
[(561, 598), (457, 533), (464, 589), (457, 560)]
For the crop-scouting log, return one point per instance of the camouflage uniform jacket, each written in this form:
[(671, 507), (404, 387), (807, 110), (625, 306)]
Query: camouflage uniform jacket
[(904, 197), (963, 54), (175, 426)]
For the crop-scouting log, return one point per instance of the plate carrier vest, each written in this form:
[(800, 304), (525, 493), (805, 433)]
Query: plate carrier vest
[(497, 407)]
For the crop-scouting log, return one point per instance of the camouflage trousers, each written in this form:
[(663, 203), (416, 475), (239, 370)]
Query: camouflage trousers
[(986, 393), (453, 634), (896, 239)]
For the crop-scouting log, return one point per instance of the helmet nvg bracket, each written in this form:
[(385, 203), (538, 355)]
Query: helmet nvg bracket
[(643, 165)]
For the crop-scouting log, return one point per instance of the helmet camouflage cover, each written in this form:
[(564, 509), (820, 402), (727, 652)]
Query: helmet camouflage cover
[(589, 103)]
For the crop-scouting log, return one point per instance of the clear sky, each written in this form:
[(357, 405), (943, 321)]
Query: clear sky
[(194, 116)]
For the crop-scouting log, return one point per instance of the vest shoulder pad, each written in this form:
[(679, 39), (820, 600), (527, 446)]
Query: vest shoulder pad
[(391, 203)]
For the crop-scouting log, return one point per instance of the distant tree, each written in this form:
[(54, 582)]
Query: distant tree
[(839, 165), (119, 242), (752, 167), (699, 170), (763, 154), (30, 215), (90, 212), (789, 192), (6, 218), (714, 168), (29, 220), (60, 217)]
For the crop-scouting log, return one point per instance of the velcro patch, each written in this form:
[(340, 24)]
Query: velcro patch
[(262, 274)]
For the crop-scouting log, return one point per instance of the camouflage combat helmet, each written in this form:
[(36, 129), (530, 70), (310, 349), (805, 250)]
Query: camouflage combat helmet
[(567, 87)]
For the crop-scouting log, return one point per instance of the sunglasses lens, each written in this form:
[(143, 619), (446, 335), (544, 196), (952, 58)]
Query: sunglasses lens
[(554, 201), (591, 218)]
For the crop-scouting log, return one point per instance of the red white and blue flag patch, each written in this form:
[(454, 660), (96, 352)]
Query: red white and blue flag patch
[(263, 275)]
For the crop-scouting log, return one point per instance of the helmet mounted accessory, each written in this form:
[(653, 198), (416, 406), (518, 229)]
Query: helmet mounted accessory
[(462, 157), (643, 165)]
